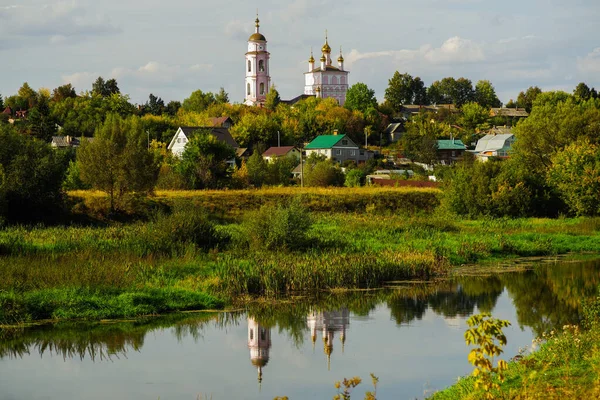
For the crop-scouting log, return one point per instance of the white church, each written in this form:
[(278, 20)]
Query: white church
[(323, 80)]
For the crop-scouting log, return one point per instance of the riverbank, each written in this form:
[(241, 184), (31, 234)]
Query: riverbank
[(192, 260)]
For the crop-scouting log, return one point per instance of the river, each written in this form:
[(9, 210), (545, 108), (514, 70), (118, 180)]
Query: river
[(410, 337)]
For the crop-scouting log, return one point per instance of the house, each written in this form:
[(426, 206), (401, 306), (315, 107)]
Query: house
[(297, 99), (185, 133), (243, 153), (7, 111), (63, 142), (394, 131), (282, 151), (408, 110), (509, 112), (338, 148), (497, 143), (450, 151), (221, 122)]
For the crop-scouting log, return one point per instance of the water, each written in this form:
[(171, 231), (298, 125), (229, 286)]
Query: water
[(411, 338)]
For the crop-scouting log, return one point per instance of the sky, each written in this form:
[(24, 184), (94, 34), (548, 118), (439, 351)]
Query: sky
[(172, 48)]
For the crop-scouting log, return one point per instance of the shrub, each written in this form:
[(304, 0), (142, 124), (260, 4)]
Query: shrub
[(278, 227)]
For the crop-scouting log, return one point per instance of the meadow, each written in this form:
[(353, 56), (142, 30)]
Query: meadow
[(202, 250)]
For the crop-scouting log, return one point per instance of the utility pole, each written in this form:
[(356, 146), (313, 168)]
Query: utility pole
[(278, 139), (301, 168), (148, 133)]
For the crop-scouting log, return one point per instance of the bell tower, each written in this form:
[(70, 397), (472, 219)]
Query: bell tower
[(258, 80)]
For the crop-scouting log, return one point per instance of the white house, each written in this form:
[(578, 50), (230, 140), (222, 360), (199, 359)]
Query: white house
[(185, 133), (497, 143)]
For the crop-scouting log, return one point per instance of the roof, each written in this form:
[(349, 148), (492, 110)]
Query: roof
[(240, 151), (68, 141), (219, 121), (297, 99), (494, 142), (7, 110), (452, 144), (393, 127), (222, 134), (257, 37), (509, 112), (327, 68), (324, 141), (277, 151)]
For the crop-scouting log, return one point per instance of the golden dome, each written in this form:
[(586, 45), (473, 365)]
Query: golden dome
[(311, 59), (323, 59), (326, 49), (257, 37), (340, 58), (318, 89)]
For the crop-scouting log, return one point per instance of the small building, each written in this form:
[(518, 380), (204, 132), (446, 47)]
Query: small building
[(63, 142), (7, 111), (243, 153), (394, 131), (338, 148), (497, 143), (221, 122), (282, 151), (185, 133), (450, 151), (509, 112)]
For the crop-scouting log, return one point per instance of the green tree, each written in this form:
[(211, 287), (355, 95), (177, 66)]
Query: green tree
[(463, 92), (204, 163), (419, 143), (103, 88), (257, 169), (583, 92), (222, 97), (1, 102), (117, 161), (31, 174), (63, 92), (154, 105), (198, 101), (172, 107), (419, 92), (575, 172), (272, 100), (525, 99), (280, 170), (29, 95), (474, 117), (485, 95), (360, 97), (436, 94), (400, 90), (323, 173)]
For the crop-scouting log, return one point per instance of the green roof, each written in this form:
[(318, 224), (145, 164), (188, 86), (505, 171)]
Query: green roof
[(324, 141), (454, 144)]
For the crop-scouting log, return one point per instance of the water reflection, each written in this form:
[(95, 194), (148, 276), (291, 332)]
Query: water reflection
[(543, 298)]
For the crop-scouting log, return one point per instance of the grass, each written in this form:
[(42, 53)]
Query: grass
[(227, 255)]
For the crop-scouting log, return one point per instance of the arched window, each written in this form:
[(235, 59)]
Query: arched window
[(248, 88), (333, 80), (342, 80), (262, 88), (251, 334), (261, 66), (249, 66), (325, 80)]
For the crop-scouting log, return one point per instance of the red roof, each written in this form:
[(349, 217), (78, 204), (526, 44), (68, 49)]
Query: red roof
[(278, 151), (7, 110), (218, 121)]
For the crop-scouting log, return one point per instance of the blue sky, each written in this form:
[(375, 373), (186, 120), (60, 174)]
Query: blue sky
[(171, 48)]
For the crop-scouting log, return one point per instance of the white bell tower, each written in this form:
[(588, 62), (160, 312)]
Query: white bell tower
[(258, 80)]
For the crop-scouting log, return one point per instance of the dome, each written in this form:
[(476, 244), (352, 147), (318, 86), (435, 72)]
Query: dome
[(259, 362), (257, 37), (323, 59), (340, 58), (311, 59), (326, 49)]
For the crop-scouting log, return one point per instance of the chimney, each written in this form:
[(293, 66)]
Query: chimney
[(335, 132), (68, 139)]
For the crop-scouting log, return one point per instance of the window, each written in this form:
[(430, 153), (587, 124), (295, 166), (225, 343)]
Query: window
[(249, 66), (342, 80), (453, 153), (251, 334), (325, 80), (262, 88), (248, 87), (333, 80), (352, 152), (338, 152), (261, 66), (263, 334), (345, 142)]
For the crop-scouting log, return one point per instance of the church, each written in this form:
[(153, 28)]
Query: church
[(323, 80)]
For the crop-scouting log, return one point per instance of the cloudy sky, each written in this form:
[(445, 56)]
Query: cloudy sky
[(171, 48)]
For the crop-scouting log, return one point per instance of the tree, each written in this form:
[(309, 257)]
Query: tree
[(222, 97), (31, 174), (257, 169), (463, 92), (279, 170), (485, 95), (1, 102), (525, 99), (204, 164), (272, 100), (154, 105), (103, 88), (198, 101), (172, 107), (360, 97), (474, 117), (419, 143), (583, 92), (117, 161), (29, 95), (419, 92), (63, 92), (323, 173), (575, 172), (436, 94), (400, 90)]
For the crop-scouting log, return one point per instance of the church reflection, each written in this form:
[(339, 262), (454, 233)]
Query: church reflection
[(329, 322), (259, 343)]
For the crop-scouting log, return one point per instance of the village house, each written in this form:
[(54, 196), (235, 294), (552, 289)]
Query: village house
[(450, 150), (497, 143), (185, 133), (281, 151), (221, 122), (394, 131), (338, 148), (63, 142)]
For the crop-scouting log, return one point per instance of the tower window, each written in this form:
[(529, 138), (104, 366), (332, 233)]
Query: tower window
[(249, 66), (261, 66), (248, 88), (251, 334), (262, 88)]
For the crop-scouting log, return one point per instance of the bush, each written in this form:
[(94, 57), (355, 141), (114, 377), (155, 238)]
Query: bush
[(278, 227), (323, 173), (354, 178)]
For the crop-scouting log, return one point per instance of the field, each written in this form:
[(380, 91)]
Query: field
[(202, 250)]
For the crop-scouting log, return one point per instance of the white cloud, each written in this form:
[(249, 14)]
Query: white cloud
[(456, 50), (237, 29), (590, 64), (81, 80)]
